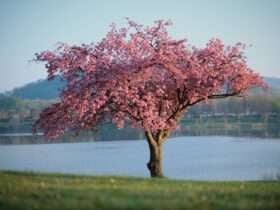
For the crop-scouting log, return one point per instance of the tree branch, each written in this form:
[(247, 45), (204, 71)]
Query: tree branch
[(225, 95), (150, 138), (163, 134)]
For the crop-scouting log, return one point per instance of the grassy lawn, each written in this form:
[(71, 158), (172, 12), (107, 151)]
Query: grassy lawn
[(55, 191)]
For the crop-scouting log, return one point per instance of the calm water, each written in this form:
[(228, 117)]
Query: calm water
[(199, 158)]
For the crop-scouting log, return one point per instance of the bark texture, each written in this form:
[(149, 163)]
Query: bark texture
[(155, 145)]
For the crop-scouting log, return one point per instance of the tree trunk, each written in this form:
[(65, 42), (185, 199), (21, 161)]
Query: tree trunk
[(155, 163), (155, 145)]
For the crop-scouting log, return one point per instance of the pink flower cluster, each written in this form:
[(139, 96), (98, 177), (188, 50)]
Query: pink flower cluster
[(140, 76)]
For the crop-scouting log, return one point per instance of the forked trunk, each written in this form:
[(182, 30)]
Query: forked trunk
[(155, 146)]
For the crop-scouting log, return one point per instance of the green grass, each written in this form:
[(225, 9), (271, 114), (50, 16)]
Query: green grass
[(56, 191)]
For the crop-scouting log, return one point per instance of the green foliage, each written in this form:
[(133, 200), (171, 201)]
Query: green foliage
[(276, 105), (40, 191), (258, 125)]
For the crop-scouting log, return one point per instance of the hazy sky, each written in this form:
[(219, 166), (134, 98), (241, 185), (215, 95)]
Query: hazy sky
[(27, 27)]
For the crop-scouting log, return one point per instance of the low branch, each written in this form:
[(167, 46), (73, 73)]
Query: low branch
[(225, 95), (215, 96), (182, 107)]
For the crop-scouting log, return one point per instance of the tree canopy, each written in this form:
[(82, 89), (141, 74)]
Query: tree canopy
[(142, 76)]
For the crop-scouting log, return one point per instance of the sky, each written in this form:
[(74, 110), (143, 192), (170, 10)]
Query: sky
[(30, 26)]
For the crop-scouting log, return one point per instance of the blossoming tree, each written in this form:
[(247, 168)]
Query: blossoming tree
[(143, 77)]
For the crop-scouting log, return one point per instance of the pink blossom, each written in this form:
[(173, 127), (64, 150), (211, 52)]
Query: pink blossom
[(142, 76)]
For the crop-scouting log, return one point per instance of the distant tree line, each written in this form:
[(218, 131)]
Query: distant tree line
[(18, 115), (254, 104)]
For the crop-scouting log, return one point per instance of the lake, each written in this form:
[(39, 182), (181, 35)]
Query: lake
[(196, 158)]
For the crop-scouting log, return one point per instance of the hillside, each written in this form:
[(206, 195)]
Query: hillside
[(44, 89), (273, 82), (41, 89)]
